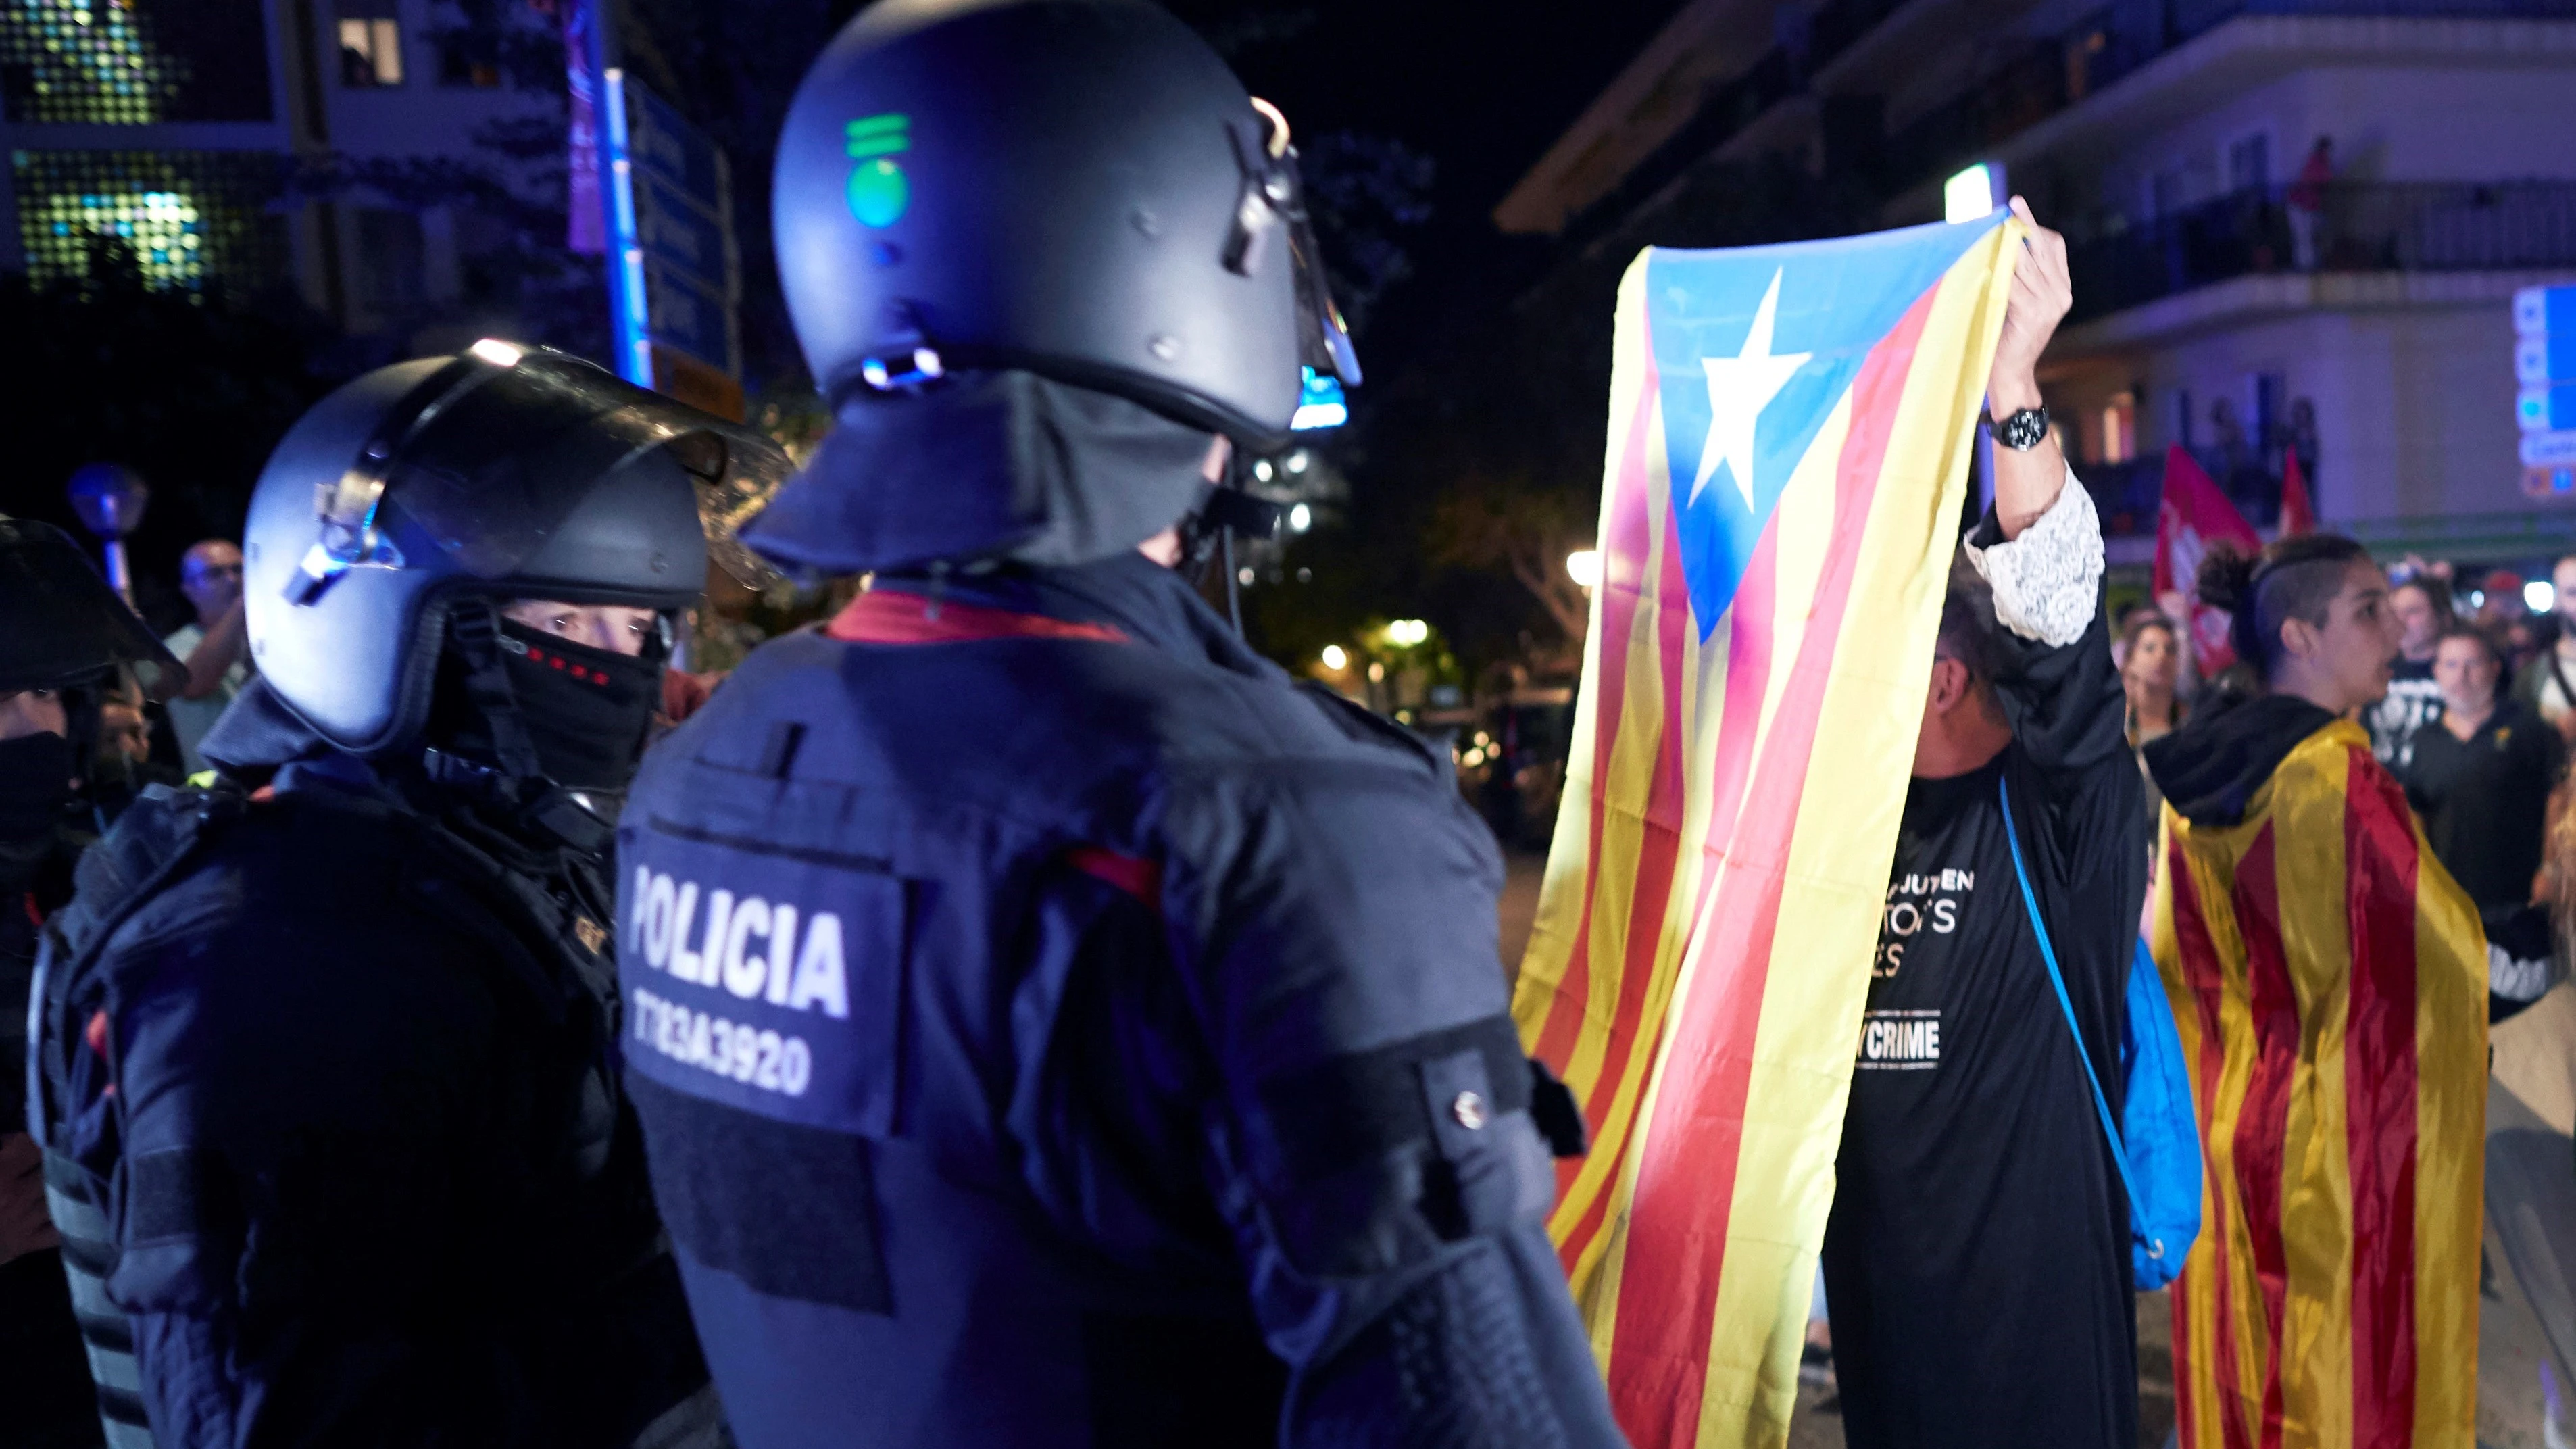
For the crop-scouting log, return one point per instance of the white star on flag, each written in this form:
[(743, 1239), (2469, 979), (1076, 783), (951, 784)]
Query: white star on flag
[(1739, 388)]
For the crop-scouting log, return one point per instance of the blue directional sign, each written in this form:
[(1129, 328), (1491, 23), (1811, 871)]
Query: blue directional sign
[(675, 278), (2544, 370)]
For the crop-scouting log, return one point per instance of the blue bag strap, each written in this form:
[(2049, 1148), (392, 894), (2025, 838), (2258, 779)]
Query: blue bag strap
[(2048, 953)]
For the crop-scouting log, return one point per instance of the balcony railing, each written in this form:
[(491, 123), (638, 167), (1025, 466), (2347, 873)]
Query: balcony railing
[(2126, 495), (2361, 226), (2028, 84)]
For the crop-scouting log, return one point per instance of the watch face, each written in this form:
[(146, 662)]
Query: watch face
[(2023, 430)]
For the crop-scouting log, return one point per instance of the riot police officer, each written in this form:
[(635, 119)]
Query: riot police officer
[(63, 635), (1050, 1025), (327, 1053)]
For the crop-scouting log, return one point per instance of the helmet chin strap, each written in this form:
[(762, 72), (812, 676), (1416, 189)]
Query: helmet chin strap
[(474, 629), (1228, 511), (545, 808)]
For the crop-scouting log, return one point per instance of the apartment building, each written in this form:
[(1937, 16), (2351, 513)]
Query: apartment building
[(336, 146), (2230, 296)]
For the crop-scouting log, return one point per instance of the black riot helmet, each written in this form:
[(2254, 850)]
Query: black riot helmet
[(1076, 189), (61, 625), (401, 504)]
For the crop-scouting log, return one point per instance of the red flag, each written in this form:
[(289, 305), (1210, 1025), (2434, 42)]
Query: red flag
[(2195, 515), (2298, 510)]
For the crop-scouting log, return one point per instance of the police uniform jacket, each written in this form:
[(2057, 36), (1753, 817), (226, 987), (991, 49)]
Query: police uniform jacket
[(1053, 1027), (335, 1134)]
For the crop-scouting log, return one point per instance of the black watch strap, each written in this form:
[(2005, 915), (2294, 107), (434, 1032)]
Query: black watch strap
[(2022, 429)]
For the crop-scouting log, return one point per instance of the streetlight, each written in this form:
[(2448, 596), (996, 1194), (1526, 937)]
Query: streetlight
[(1406, 633), (1584, 567), (109, 498), (1335, 658)]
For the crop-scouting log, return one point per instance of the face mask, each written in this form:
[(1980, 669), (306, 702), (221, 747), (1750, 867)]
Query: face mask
[(35, 784), (585, 709)]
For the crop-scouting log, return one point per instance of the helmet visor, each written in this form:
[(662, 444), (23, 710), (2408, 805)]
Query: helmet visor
[(61, 625), (487, 458)]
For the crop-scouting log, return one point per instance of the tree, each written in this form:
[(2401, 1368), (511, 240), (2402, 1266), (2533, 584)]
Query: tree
[(1523, 530)]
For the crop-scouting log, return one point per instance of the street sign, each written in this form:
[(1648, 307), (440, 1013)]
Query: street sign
[(675, 277), (2544, 374), (673, 230)]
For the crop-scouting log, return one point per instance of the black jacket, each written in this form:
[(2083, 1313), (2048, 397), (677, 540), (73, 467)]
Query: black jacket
[(1054, 1028), (330, 1093)]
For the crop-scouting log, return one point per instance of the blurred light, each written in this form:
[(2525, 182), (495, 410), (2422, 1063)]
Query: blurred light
[(1305, 576), (1584, 566), (1406, 633), (497, 352), (2539, 596), (1970, 194), (1297, 461), (1483, 738), (1322, 404), (1300, 517), (1243, 576), (2477, 598), (1261, 469), (1377, 672), (1472, 758), (1335, 659)]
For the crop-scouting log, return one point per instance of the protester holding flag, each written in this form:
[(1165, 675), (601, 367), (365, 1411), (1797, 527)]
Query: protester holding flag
[(2329, 981), (1977, 1255)]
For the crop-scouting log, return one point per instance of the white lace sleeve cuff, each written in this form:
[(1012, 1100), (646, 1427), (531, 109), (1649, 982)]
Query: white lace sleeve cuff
[(2048, 582)]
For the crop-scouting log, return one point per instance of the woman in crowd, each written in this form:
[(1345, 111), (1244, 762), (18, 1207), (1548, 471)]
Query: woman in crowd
[(2329, 980), (2150, 668)]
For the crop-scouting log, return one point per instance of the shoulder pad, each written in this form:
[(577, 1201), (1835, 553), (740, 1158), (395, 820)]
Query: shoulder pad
[(162, 825)]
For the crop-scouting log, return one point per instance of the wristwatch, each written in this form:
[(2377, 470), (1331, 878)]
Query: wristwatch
[(2023, 430)]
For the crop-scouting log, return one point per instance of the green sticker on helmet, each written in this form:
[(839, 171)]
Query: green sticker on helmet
[(878, 191)]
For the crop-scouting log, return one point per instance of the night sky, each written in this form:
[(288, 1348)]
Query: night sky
[(1483, 89)]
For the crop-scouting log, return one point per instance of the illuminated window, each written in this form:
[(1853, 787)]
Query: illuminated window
[(189, 219), (2120, 429), (133, 62), (371, 52)]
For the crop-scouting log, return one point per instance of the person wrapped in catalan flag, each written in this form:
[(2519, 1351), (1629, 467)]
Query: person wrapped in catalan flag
[(1977, 1256), (2329, 980)]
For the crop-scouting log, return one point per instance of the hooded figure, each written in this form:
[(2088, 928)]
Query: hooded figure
[(1051, 1025), (2330, 985), (326, 1053)]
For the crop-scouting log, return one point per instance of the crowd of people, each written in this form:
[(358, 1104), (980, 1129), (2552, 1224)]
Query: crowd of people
[(2476, 723), (1013, 1013)]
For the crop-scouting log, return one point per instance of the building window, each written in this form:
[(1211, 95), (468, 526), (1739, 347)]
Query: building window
[(2120, 428), (185, 219), (371, 51), (469, 56), (133, 62)]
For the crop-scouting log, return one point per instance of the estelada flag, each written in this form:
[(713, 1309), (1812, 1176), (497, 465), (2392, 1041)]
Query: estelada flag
[(2329, 982), (1790, 435), (2193, 515), (2298, 510)]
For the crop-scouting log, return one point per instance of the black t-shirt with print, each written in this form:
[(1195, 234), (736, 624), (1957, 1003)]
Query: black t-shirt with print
[(2412, 704), (1977, 1257)]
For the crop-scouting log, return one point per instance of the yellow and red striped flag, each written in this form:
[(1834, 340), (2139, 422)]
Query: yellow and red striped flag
[(1790, 437), (2329, 981)]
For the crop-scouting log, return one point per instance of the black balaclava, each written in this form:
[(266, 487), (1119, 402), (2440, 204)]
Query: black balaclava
[(584, 711), (35, 786)]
